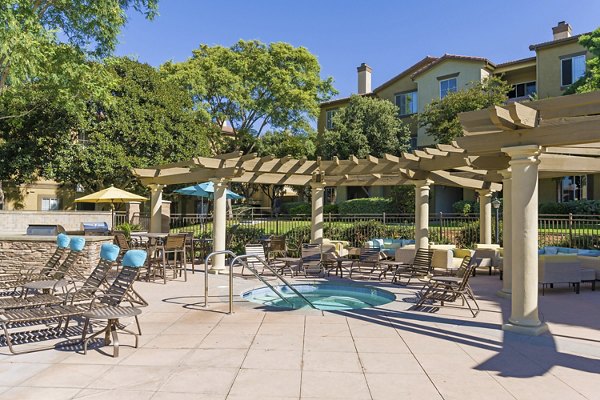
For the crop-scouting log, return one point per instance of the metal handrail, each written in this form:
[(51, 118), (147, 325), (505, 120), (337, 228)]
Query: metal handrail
[(208, 257), (281, 278)]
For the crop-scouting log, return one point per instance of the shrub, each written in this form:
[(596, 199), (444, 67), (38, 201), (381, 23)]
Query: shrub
[(331, 209), (465, 207), (300, 209), (372, 205), (127, 228), (403, 198), (238, 236), (579, 207), (288, 205), (468, 236), (362, 231)]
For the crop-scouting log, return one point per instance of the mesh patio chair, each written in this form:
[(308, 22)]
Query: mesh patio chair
[(121, 240), (449, 289), (78, 293), (368, 259), (312, 259), (419, 268), (174, 247), (258, 250), (277, 247), (190, 250), (13, 277), (13, 321)]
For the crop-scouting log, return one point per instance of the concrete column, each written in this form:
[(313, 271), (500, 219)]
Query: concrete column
[(133, 212), (317, 194), (506, 234), (165, 216), (524, 316), (219, 225), (422, 213), (485, 216), (156, 207)]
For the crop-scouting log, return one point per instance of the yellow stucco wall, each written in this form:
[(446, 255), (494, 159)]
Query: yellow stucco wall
[(429, 85), (547, 190), (548, 68), (28, 197)]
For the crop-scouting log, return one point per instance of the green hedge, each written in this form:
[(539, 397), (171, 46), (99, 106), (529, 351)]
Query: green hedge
[(466, 207), (578, 207), (371, 205), (300, 209)]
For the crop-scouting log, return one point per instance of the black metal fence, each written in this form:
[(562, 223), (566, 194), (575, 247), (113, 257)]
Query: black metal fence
[(578, 231)]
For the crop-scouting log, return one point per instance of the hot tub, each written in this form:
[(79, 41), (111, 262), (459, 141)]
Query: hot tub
[(324, 296)]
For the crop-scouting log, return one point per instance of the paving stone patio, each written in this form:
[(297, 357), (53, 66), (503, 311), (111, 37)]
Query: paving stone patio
[(391, 352)]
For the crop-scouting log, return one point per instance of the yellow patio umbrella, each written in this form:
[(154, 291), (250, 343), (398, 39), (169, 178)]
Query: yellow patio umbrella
[(111, 195)]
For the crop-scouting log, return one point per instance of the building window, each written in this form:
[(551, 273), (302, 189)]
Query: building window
[(329, 118), (49, 204), (407, 103), (522, 90), (447, 86), (413, 142), (572, 188), (572, 69)]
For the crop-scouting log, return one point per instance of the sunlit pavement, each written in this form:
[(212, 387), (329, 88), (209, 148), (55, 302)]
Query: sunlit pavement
[(191, 352)]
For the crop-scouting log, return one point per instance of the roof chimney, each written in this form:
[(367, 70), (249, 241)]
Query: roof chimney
[(561, 31), (364, 79)]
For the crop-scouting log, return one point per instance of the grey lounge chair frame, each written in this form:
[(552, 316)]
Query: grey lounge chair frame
[(368, 258), (120, 290), (258, 250), (449, 289), (13, 280), (419, 268)]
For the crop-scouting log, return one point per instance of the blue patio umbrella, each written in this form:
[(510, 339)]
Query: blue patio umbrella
[(207, 190)]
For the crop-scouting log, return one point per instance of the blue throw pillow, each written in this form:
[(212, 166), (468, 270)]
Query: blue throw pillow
[(541, 251), (77, 243), (63, 240), (552, 251), (378, 243), (566, 250), (134, 258), (588, 253), (109, 251)]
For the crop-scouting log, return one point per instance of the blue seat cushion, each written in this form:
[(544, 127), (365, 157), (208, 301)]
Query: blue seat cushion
[(63, 240), (109, 252), (77, 243), (134, 258)]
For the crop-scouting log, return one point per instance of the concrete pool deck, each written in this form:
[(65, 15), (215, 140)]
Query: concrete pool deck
[(188, 352)]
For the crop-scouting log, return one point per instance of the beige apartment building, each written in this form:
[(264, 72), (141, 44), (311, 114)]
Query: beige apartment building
[(555, 65)]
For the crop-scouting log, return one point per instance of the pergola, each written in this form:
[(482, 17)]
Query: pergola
[(503, 147)]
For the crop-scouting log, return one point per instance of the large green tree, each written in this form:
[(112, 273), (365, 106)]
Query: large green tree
[(149, 121), (440, 117), (254, 87), (366, 126), (591, 80)]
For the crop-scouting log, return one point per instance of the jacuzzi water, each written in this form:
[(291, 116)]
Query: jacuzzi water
[(324, 296)]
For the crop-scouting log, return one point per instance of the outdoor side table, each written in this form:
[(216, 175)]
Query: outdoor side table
[(288, 263), (46, 285), (338, 264), (391, 265), (111, 314)]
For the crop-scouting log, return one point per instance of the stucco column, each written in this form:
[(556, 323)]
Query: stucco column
[(219, 225), (524, 316), (156, 207), (485, 216), (317, 194), (506, 234), (422, 213)]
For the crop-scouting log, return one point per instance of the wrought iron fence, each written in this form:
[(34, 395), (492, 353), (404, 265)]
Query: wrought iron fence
[(578, 231)]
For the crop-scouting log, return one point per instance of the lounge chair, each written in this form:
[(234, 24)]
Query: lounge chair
[(85, 292), (258, 250), (368, 259), (419, 268), (11, 279), (120, 290), (449, 289), (312, 257)]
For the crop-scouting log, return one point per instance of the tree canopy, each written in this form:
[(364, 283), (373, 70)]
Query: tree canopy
[(50, 44), (440, 117), (365, 126), (148, 121), (591, 80), (253, 87)]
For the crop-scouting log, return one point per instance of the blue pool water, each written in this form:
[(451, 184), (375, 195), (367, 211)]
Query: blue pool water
[(324, 296)]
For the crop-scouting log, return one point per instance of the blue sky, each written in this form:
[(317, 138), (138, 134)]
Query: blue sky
[(386, 34)]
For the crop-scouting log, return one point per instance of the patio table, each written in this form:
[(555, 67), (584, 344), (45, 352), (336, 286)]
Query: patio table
[(112, 315), (288, 262), (391, 265), (338, 264), (46, 285)]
